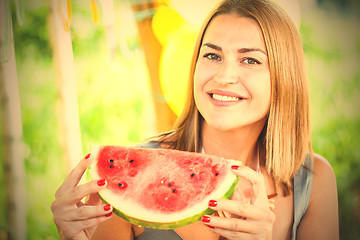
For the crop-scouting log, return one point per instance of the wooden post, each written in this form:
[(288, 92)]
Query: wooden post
[(143, 9), (63, 59), (13, 146)]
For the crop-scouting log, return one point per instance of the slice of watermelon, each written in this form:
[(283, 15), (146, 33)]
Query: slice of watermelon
[(161, 188)]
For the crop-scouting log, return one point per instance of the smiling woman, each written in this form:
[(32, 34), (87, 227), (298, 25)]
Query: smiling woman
[(248, 101)]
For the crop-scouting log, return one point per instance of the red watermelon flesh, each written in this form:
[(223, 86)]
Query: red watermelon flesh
[(161, 188)]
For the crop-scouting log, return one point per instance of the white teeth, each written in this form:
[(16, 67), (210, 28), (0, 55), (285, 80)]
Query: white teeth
[(224, 98)]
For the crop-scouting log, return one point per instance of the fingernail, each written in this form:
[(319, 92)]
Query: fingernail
[(87, 156), (205, 219), (107, 207), (235, 167), (213, 203), (108, 214), (212, 227), (101, 182)]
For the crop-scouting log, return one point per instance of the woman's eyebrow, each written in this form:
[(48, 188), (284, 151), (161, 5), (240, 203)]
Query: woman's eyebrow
[(213, 46), (245, 50), (241, 50)]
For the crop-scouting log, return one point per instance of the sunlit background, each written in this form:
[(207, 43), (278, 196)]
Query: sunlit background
[(105, 75)]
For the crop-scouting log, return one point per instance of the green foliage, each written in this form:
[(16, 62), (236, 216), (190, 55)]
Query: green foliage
[(34, 32), (344, 5), (43, 153), (337, 141), (334, 80)]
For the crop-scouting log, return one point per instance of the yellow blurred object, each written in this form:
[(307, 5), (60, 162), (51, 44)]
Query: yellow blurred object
[(194, 12), (65, 18), (175, 66), (165, 21), (69, 11), (94, 11)]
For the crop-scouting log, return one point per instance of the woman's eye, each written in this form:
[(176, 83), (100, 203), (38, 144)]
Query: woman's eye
[(251, 61), (212, 57)]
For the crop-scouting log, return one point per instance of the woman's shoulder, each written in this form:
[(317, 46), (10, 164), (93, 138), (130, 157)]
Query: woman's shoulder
[(318, 174), (322, 211), (318, 167), (322, 170)]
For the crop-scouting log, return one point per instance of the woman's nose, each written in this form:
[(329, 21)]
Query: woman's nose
[(227, 73)]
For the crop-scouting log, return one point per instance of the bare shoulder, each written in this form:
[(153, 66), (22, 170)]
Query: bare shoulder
[(322, 169), (321, 218), (324, 180)]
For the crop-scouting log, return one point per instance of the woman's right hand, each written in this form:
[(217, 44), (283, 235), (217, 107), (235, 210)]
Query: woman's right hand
[(73, 218)]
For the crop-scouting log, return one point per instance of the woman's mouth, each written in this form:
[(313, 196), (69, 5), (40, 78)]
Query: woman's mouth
[(224, 98)]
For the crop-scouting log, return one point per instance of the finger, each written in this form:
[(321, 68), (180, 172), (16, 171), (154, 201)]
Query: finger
[(73, 228), (256, 180), (74, 196), (232, 224), (74, 176), (86, 212), (77, 193), (238, 208)]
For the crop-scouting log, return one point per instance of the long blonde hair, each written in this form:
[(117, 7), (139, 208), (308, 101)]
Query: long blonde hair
[(286, 135)]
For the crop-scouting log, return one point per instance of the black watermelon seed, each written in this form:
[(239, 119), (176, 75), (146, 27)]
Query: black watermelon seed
[(169, 184), (111, 160), (193, 175), (111, 166), (174, 190), (216, 174), (131, 161), (122, 185)]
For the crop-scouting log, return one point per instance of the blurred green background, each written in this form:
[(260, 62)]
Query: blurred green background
[(115, 106)]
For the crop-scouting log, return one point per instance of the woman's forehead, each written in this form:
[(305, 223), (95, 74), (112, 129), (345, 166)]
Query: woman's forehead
[(234, 29)]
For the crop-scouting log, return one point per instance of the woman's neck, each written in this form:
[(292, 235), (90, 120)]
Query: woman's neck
[(237, 144)]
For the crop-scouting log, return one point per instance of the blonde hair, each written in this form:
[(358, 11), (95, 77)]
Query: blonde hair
[(286, 135)]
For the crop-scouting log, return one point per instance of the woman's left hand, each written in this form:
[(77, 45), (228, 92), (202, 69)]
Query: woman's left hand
[(244, 220)]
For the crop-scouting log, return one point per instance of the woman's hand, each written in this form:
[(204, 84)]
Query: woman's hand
[(73, 218), (243, 219)]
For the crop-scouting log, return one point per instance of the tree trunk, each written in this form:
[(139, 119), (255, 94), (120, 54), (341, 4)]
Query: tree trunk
[(64, 62), (13, 146)]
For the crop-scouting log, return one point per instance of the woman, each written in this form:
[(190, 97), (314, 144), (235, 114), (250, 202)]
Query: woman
[(248, 100)]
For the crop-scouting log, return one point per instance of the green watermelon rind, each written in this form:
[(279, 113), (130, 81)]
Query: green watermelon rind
[(167, 225)]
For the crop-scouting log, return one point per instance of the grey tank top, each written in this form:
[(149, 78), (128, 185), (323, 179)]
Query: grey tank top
[(302, 189)]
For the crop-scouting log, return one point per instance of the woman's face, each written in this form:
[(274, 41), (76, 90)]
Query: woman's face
[(232, 77)]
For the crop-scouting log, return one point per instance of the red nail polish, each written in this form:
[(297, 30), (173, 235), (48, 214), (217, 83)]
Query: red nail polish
[(101, 182), (212, 227), (108, 214), (87, 156), (107, 207), (213, 203), (205, 219), (235, 167)]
